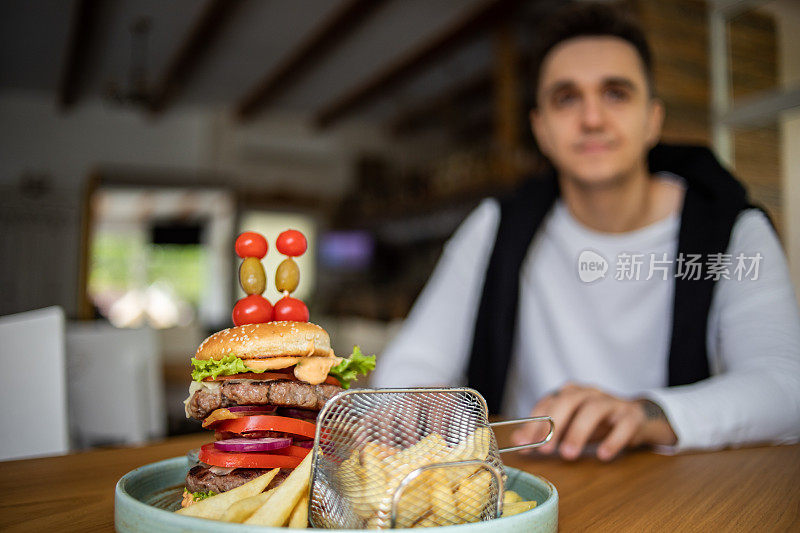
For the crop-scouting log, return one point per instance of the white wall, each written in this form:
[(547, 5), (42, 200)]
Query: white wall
[(40, 234), (35, 136)]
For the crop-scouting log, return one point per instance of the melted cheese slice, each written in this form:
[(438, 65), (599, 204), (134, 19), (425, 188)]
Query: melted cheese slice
[(312, 369), (195, 386), (273, 363)]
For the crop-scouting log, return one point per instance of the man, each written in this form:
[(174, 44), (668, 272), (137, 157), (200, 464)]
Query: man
[(634, 295)]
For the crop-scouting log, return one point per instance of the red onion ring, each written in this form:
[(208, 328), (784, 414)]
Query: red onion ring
[(304, 414), (253, 445)]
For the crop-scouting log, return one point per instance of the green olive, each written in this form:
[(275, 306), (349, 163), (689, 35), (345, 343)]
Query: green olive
[(287, 277), (252, 276)]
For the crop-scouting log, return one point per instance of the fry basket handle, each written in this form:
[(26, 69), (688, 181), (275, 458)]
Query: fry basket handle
[(521, 421)]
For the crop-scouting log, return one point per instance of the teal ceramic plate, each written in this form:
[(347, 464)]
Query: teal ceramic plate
[(146, 497)]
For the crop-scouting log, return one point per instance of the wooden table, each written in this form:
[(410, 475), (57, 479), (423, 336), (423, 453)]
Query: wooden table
[(733, 490)]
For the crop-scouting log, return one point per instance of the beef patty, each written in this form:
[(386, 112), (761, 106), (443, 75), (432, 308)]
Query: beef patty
[(282, 393), (201, 479)]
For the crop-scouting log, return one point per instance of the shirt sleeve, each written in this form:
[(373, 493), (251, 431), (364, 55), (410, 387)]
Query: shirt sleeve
[(432, 347), (753, 395)]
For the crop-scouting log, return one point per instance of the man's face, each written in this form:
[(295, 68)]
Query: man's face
[(595, 118)]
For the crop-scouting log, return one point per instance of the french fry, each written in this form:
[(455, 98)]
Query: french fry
[(475, 446), (410, 513), (428, 499), (376, 494), (375, 522), (415, 503), (427, 450), (354, 482), (215, 506), (513, 508), (511, 497), (457, 474), (442, 497), (429, 486), (437, 496), (243, 509), (277, 509), (472, 496), (299, 516), (429, 520)]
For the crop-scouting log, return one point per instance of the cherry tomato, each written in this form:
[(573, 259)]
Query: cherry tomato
[(253, 309), (290, 309), (251, 244), (292, 243)]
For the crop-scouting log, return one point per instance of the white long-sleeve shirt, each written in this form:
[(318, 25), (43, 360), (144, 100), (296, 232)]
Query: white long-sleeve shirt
[(614, 333)]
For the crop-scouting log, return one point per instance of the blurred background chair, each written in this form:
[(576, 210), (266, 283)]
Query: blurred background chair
[(33, 384), (115, 385)]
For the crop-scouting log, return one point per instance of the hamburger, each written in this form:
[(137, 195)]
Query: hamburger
[(259, 387)]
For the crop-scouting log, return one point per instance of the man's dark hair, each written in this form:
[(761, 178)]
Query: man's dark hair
[(589, 20)]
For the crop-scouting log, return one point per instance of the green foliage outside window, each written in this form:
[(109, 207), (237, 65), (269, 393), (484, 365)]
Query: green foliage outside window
[(122, 262)]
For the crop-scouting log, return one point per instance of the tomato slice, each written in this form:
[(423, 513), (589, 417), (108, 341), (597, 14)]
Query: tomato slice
[(266, 376), (293, 451), (214, 457), (267, 423), (224, 414)]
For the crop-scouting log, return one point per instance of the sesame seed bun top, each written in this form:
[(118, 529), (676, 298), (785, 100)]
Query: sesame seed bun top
[(267, 340)]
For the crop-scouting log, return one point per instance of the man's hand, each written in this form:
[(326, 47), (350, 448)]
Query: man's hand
[(585, 414)]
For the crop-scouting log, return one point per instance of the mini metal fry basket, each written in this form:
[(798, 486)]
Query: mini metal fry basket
[(401, 458)]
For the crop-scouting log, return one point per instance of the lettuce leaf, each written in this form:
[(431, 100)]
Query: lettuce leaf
[(203, 495), (348, 369), (344, 372), (227, 366)]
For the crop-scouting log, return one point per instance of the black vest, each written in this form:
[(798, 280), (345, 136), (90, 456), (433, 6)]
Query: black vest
[(712, 201)]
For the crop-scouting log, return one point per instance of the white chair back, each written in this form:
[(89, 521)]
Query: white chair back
[(33, 391), (116, 387)]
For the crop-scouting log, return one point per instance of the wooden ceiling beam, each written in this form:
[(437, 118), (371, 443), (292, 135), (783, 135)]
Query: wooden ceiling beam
[(194, 48), (320, 42), (418, 58), (417, 116), (428, 111), (82, 35)]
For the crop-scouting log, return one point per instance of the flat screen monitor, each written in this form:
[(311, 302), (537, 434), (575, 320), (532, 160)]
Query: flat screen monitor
[(346, 250)]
